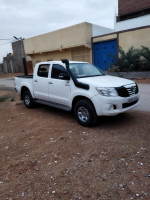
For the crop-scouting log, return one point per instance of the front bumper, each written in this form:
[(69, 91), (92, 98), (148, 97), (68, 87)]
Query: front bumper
[(110, 106)]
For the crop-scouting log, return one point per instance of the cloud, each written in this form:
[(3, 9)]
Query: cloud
[(30, 18)]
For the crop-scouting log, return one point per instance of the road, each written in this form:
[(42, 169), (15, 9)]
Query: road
[(7, 83), (144, 105), (145, 98)]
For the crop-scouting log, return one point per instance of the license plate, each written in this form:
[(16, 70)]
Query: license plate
[(132, 99)]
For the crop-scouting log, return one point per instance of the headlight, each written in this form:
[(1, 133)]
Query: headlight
[(109, 92)]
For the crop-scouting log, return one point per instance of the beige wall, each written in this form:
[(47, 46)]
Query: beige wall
[(75, 54), (135, 38), (72, 36), (103, 38), (81, 54), (56, 55), (126, 39)]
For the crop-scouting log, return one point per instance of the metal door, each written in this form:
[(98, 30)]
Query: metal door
[(104, 53)]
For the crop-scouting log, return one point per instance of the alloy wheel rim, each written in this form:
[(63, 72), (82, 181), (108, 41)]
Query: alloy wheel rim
[(83, 114), (27, 100)]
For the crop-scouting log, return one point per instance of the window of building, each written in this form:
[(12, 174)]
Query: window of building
[(56, 70), (43, 70)]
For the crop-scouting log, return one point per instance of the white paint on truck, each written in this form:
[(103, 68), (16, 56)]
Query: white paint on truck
[(54, 84)]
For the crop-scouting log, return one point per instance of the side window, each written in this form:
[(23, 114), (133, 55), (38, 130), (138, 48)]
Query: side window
[(43, 70), (56, 70)]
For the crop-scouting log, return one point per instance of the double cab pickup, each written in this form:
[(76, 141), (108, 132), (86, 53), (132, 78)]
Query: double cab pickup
[(79, 87)]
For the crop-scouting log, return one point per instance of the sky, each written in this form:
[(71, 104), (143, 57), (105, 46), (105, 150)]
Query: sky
[(28, 18)]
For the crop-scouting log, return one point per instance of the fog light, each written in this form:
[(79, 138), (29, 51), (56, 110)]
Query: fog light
[(111, 107)]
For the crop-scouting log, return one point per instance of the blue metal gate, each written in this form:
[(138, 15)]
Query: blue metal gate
[(103, 53)]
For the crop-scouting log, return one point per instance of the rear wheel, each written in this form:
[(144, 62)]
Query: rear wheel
[(85, 113), (28, 100)]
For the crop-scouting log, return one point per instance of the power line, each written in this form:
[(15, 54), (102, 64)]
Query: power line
[(5, 39), (6, 43)]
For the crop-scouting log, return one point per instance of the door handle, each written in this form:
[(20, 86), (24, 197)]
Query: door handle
[(67, 84), (50, 82), (35, 80)]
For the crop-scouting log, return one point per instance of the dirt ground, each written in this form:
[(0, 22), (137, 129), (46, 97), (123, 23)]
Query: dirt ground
[(46, 155), (10, 75)]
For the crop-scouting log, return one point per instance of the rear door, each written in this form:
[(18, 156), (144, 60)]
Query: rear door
[(41, 82), (59, 90)]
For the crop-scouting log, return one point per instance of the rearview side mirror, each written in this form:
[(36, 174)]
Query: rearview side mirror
[(64, 76)]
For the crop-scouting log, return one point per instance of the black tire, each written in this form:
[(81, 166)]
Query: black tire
[(85, 113), (28, 100)]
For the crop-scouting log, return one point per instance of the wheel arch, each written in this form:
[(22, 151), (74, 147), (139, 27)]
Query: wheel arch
[(80, 97), (23, 90)]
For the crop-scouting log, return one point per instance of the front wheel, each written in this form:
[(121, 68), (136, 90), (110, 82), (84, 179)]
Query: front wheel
[(85, 113), (28, 100)]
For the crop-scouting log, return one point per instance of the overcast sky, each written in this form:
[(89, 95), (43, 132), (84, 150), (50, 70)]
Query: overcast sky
[(29, 18)]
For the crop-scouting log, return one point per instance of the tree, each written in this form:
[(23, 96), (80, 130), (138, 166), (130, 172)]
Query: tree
[(145, 53), (130, 60)]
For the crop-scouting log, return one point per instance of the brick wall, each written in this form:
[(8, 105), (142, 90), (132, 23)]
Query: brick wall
[(128, 6)]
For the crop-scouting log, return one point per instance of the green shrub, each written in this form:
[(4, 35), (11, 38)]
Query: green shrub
[(145, 52), (2, 99), (130, 60), (133, 60)]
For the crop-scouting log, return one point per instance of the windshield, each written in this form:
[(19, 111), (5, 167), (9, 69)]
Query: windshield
[(82, 70)]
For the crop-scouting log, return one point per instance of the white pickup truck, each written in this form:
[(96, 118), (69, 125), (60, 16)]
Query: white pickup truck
[(79, 87)]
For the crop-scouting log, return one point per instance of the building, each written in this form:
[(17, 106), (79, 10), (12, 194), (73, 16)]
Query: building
[(132, 28), (73, 43)]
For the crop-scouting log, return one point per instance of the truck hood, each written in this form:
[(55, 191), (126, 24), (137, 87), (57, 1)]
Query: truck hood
[(105, 81)]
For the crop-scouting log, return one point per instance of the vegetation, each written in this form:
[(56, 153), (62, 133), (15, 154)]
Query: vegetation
[(12, 99), (2, 99), (145, 52), (132, 60)]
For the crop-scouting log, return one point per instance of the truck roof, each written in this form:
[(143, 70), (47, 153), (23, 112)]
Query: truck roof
[(59, 62)]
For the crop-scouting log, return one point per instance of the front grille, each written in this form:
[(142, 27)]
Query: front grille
[(125, 105), (132, 90), (126, 91)]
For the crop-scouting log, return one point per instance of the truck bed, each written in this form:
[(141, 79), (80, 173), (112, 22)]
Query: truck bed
[(24, 80)]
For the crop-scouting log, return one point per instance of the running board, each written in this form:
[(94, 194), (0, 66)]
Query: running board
[(56, 105)]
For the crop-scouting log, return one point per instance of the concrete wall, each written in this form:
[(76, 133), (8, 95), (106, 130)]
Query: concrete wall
[(76, 54), (18, 52), (56, 55), (145, 74), (1, 68), (96, 30), (133, 23), (126, 39), (73, 43), (8, 64), (128, 6), (81, 54), (135, 38), (105, 37), (69, 37)]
